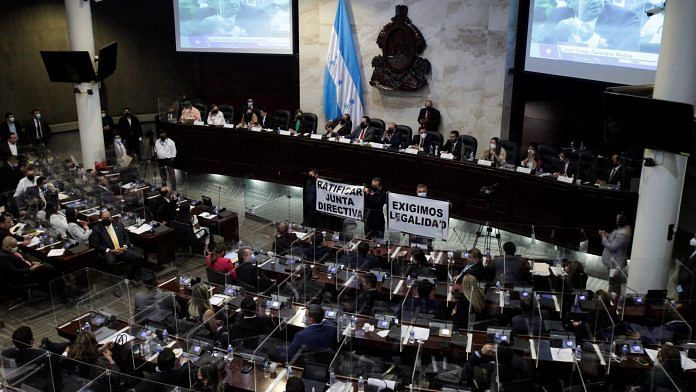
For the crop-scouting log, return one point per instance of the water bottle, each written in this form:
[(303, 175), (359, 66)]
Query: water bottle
[(618, 186), (289, 373), (353, 321), (624, 352), (431, 150), (409, 281), (266, 369), (230, 353), (165, 336), (87, 327), (578, 353), (361, 384), (471, 156), (497, 286), (412, 336), (437, 150), (335, 236), (146, 350), (332, 377)]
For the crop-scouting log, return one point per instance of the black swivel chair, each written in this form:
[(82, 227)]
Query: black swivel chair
[(228, 112), (282, 118), (511, 149), (311, 122), (203, 109), (378, 124), (469, 146), (587, 163), (217, 277), (549, 158), (437, 136), (185, 235), (406, 134)]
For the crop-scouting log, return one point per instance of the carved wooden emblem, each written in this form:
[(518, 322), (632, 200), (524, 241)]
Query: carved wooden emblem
[(400, 67)]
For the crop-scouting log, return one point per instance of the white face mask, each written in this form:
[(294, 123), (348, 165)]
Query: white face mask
[(422, 194), (14, 249), (103, 115), (117, 141), (493, 146), (692, 242), (530, 152), (11, 118)]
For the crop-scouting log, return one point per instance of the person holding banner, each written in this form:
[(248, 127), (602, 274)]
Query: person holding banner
[(311, 217), (375, 198)]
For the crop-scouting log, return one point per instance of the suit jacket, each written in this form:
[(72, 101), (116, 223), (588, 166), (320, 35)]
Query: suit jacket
[(374, 204), (5, 151), (246, 328), (130, 132), (616, 247), (426, 143), (618, 176), (22, 356), (253, 277), (453, 148), (267, 122), (315, 337), (432, 123), (370, 133), (9, 177), (5, 130), (101, 241), (511, 269), (393, 142), (284, 242), (31, 131), (163, 211), (619, 26), (178, 377), (345, 129), (361, 262), (11, 267), (477, 270)]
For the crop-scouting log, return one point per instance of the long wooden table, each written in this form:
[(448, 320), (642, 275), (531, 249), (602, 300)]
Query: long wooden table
[(557, 210)]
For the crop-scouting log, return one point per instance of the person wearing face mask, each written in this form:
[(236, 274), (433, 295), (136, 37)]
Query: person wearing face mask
[(421, 191), (38, 130), (120, 152), (18, 269), (364, 132), (249, 119), (342, 126), (566, 169), (131, 131), (112, 243), (249, 275), (9, 147), (108, 126), (164, 207), (10, 126), (165, 150), (615, 252), (266, 122), (392, 137), (422, 141), (375, 199), (28, 181), (298, 123), (531, 161), (216, 117), (311, 216), (495, 153)]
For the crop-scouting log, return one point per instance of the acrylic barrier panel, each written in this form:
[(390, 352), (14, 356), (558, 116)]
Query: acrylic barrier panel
[(269, 362), (108, 304), (273, 202), (37, 374)]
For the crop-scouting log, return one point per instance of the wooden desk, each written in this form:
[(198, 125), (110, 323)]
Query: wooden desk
[(224, 226), (66, 263), (162, 243)]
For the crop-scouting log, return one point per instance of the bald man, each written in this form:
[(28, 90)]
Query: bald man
[(17, 269), (283, 240)]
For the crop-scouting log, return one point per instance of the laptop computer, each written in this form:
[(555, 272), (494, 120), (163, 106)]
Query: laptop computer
[(315, 376), (206, 204)]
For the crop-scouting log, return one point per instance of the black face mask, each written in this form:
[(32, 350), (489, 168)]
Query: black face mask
[(127, 114), (342, 121), (215, 111), (30, 178), (162, 137), (363, 125), (106, 222)]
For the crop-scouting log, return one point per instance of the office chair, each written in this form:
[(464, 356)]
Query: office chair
[(228, 112), (378, 124), (203, 108), (282, 118), (511, 148), (311, 122), (437, 136), (469, 146), (406, 134)]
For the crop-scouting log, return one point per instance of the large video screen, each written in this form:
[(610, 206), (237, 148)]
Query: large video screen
[(608, 40), (234, 26)]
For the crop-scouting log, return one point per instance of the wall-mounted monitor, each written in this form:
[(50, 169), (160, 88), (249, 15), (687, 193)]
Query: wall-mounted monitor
[(69, 67)]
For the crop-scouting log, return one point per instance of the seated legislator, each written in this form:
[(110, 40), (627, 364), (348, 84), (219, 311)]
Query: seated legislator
[(28, 181), (368, 294), (510, 268), (216, 117), (453, 145), (284, 240), (6, 224), (615, 174), (219, 262), (166, 374), (189, 113), (249, 325), (565, 169), (15, 268), (364, 132), (342, 126), (265, 120), (329, 128), (164, 206), (528, 321), (422, 141), (87, 356), (319, 335), (297, 123), (474, 266), (470, 300), (112, 243), (248, 273), (532, 160), (361, 260), (391, 137), (495, 153), (423, 301), (315, 250), (78, 230), (419, 268), (249, 119), (23, 351), (201, 311)]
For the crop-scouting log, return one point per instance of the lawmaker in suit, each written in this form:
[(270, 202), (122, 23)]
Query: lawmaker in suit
[(615, 251), (249, 326), (565, 169), (166, 374), (16, 268), (319, 335), (364, 132), (529, 321), (375, 199), (297, 123), (392, 138), (108, 126), (9, 147), (342, 126), (429, 117), (422, 140), (594, 24), (112, 243), (615, 175), (248, 273), (418, 267), (130, 130), (453, 145), (164, 206), (474, 266), (361, 260), (38, 130), (11, 125), (284, 240), (509, 269), (310, 214), (265, 120)]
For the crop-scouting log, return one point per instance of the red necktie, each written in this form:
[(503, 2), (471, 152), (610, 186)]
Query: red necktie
[(362, 134)]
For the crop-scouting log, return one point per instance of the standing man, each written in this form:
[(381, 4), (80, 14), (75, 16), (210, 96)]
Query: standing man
[(311, 216), (165, 148), (38, 130), (130, 130), (375, 199), (429, 117), (10, 126), (8, 147), (108, 126), (615, 252)]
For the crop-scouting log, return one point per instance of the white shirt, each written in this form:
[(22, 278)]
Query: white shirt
[(22, 186), (13, 148), (120, 150), (216, 119), (165, 149), (59, 223), (78, 233)]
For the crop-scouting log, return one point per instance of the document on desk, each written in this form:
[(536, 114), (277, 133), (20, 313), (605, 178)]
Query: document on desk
[(421, 334), (541, 269), (298, 317), (207, 215), (62, 196), (686, 362), (56, 252), (532, 349), (557, 271), (599, 354), (113, 336), (140, 230), (218, 299), (398, 286), (562, 354), (300, 235)]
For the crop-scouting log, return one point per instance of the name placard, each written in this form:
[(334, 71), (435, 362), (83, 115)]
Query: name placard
[(566, 179), (316, 136), (525, 170), (344, 140), (377, 145), (228, 126), (484, 162), (413, 151), (196, 122), (256, 129), (446, 155), (285, 133)]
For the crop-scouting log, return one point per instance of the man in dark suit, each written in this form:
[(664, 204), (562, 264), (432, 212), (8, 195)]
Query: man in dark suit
[(375, 199), (565, 169), (284, 240), (11, 125), (616, 173), (342, 126), (310, 214), (108, 127), (453, 145), (528, 322), (422, 140), (130, 130), (474, 266), (423, 303), (509, 268), (265, 120), (319, 335), (164, 206), (595, 23), (9, 146), (391, 137), (429, 117), (364, 132), (250, 325), (38, 130), (10, 174), (249, 274), (16, 268), (23, 351), (368, 294), (361, 259), (112, 243), (166, 374)]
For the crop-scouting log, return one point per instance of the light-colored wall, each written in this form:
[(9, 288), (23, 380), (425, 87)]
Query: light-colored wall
[(466, 47)]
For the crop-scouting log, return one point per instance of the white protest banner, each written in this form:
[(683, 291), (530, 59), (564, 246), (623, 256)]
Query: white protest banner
[(418, 215), (340, 199)]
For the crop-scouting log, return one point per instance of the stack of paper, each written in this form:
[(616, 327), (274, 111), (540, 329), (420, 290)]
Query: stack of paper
[(207, 215), (56, 252), (541, 269), (140, 230)]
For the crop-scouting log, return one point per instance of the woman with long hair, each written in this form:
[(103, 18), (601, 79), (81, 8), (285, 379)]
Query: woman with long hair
[(199, 308), (472, 300), (77, 229), (495, 153), (87, 358), (209, 379)]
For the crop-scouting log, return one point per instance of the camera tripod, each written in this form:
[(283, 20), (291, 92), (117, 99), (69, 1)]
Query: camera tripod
[(485, 230)]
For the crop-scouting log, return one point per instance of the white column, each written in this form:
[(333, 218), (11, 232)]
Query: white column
[(661, 186), (79, 15)]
